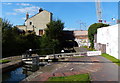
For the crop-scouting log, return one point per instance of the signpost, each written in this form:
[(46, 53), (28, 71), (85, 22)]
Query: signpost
[(93, 53)]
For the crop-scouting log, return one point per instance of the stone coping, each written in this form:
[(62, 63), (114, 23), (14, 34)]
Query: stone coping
[(11, 65)]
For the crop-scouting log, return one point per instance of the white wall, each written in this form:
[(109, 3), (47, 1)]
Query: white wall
[(82, 42), (109, 36)]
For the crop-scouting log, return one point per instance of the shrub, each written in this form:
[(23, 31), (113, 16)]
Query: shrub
[(93, 30)]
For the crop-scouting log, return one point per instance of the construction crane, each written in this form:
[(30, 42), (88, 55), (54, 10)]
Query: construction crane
[(99, 14), (98, 11)]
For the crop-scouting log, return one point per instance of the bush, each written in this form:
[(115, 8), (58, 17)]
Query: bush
[(14, 42), (93, 30)]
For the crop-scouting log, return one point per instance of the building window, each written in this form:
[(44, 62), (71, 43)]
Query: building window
[(30, 31), (30, 23), (40, 32)]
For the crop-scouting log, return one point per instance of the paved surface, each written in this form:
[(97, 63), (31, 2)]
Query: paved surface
[(72, 67), (80, 49), (100, 69), (12, 58), (109, 71)]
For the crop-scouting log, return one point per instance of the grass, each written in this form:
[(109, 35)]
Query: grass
[(82, 78), (4, 61), (111, 58), (89, 49)]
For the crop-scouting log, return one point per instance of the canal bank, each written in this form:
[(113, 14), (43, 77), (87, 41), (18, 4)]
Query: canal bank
[(17, 72), (21, 72), (15, 61), (10, 66)]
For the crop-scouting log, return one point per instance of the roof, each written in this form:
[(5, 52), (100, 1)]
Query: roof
[(20, 25), (37, 14), (77, 33), (109, 27)]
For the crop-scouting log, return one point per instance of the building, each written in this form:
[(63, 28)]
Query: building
[(68, 35), (80, 36), (37, 23), (107, 40)]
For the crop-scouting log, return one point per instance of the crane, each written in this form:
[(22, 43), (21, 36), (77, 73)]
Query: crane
[(98, 11), (99, 14)]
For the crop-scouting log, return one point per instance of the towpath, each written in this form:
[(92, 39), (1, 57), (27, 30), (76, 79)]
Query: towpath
[(99, 68)]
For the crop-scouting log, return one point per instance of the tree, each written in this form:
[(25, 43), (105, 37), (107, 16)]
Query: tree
[(54, 29), (0, 36), (93, 30), (14, 42), (49, 46), (8, 38), (51, 42)]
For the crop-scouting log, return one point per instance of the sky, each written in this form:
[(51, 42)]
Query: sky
[(75, 15)]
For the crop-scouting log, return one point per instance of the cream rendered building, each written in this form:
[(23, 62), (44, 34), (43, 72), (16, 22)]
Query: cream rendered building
[(37, 23)]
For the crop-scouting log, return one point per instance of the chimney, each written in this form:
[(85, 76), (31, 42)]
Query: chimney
[(27, 16), (40, 10)]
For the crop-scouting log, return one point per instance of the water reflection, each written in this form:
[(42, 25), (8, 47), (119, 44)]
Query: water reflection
[(19, 74), (15, 75)]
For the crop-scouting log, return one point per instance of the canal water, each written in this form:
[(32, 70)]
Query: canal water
[(15, 75), (18, 74)]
